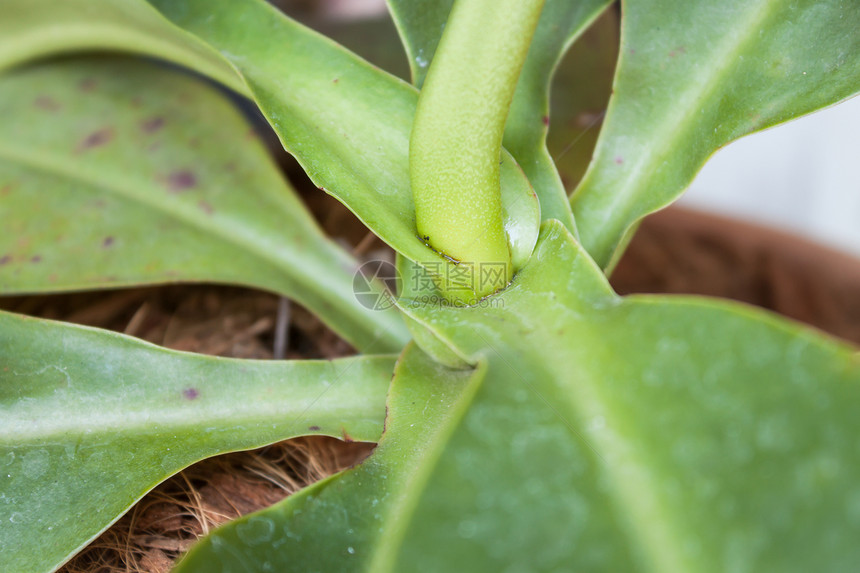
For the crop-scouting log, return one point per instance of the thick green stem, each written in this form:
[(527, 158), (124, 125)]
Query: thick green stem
[(457, 136)]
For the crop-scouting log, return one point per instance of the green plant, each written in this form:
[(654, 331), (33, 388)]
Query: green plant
[(538, 422)]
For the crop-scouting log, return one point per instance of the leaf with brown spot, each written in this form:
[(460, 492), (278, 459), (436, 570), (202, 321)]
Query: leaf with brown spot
[(46, 103), (84, 434), (152, 124), (181, 215), (87, 84), (96, 139), (179, 181)]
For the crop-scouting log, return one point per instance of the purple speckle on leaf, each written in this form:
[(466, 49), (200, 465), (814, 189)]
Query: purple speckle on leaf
[(96, 139), (179, 181), (87, 84), (152, 124), (46, 103)]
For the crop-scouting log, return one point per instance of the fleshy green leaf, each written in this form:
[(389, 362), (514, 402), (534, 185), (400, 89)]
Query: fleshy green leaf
[(91, 420), (693, 76), (113, 173), (609, 434), (421, 23), (347, 122), (32, 29), (336, 524)]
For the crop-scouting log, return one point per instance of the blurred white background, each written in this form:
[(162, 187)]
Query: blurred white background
[(802, 176)]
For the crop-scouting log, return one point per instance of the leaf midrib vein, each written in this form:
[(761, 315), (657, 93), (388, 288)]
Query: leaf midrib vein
[(655, 539), (19, 430)]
